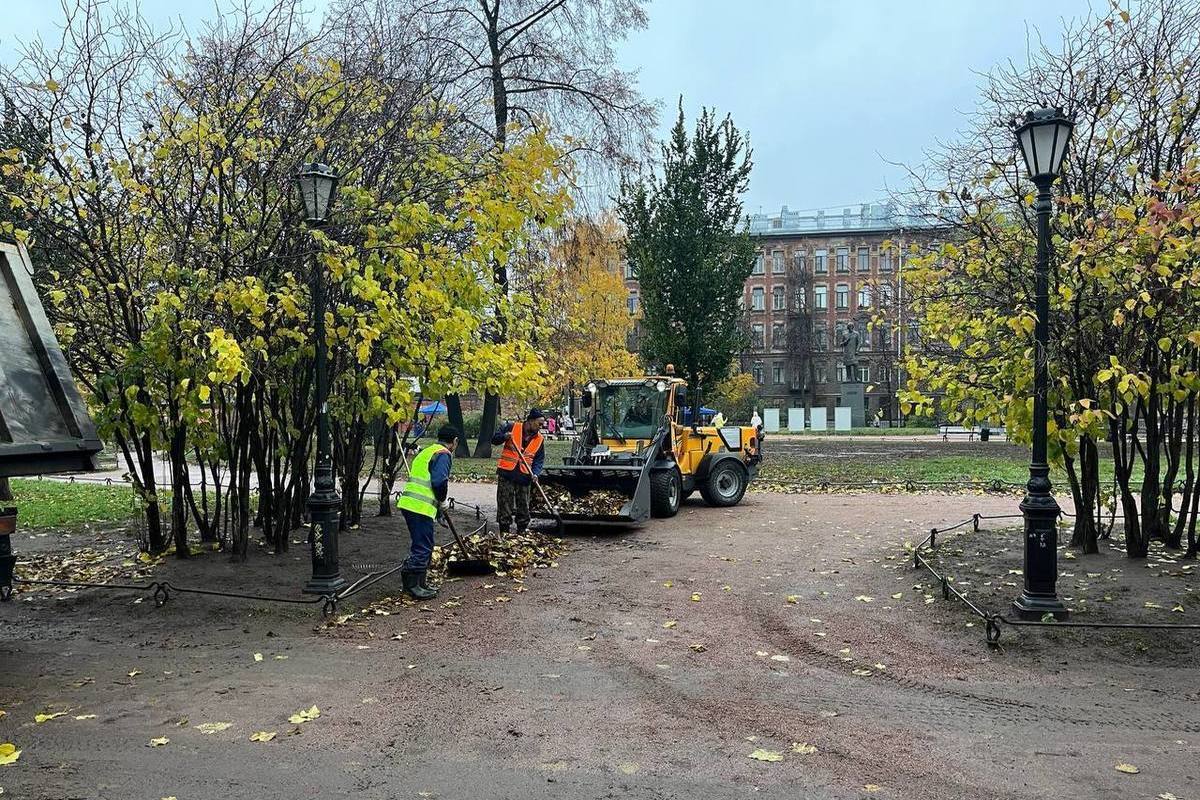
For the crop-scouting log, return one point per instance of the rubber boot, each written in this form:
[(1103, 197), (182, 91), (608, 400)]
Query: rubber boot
[(414, 584)]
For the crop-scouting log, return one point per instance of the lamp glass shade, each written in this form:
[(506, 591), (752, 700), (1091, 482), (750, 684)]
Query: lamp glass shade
[(317, 183), (1043, 138)]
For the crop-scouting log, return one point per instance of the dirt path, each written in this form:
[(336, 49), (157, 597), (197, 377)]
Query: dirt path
[(645, 664)]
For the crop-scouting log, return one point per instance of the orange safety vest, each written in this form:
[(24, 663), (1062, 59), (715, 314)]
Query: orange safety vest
[(508, 456)]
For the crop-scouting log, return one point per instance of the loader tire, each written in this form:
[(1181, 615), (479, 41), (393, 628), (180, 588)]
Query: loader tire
[(725, 484), (666, 492)]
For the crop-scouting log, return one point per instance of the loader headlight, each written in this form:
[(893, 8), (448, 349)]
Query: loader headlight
[(661, 386), (591, 388)]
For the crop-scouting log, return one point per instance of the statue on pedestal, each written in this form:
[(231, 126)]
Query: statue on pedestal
[(851, 344)]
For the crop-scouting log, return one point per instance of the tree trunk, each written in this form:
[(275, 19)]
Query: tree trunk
[(455, 415), (487, 426), (5, 490), (179, 489), (1087, 501)]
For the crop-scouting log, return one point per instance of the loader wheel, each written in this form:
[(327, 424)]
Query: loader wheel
[(666, 492), (725, 485)]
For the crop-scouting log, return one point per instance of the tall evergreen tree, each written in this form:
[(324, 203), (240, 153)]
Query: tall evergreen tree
[(690, 248)]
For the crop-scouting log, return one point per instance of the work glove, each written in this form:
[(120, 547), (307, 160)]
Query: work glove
[(444, 505)]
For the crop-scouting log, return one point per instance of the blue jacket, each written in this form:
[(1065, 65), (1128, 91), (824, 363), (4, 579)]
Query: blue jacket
[(535, 464), (439, 475)]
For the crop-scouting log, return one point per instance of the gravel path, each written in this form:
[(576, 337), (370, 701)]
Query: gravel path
[(646, 664)]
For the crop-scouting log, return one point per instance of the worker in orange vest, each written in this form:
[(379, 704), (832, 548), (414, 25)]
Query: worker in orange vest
[(514, 480)]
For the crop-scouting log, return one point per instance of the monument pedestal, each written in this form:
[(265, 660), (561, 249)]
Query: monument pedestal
[(852, 397)]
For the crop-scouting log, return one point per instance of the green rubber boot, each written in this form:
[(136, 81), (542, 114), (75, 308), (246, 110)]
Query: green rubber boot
[(414, 584)]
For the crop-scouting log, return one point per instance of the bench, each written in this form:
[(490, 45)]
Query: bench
[(954, 430)]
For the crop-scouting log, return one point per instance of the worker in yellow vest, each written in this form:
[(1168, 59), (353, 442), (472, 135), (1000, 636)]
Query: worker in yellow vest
[(420, 501), (514, 476)]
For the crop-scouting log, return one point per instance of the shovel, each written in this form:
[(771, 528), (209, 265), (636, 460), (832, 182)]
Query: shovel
[(557, 516), (469, 564)]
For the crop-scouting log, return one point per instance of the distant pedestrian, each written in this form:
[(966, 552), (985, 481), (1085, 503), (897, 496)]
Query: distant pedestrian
[(756, 420), (718, 420), (551, 425)]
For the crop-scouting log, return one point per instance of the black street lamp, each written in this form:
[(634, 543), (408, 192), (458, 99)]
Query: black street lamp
[(318, 184), (1043, 137)]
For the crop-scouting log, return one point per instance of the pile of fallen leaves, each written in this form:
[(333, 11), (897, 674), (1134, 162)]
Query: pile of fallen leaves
[(880, 487), (511, 554), (85, 565), (596, 503)]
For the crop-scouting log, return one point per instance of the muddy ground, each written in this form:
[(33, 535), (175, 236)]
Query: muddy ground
[(647, 663)]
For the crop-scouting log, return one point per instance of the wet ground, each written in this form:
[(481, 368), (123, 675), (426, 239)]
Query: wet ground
[(650, 664)]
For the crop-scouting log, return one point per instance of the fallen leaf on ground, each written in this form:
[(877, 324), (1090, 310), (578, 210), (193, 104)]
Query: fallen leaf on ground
[(1148, 604), (670, 623), (209, 728), (766, 755), (40, 718), (262, 736), (778, 657), (698, 648), (870, 787), (1128, 769), (862, 672), (668, 584), (258, 656), (1167, 796), (793, 598), (628, 769), (1177, 608), (158, 741), (134, 673), (863, 598), (803, 748), (897, 595), (695, 597), (8, 754), (85, 716), (305, 715)]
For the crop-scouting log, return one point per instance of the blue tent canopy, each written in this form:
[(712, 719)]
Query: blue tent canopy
[(436, 407)]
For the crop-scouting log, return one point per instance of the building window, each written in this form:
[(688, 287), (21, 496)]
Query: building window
[(914, 331), (864, 296), (758, 299), (841, 373), (822, 373), (843, 297), (820, 262), (864, 259), (801, 298), (777, 264), (629, 274), (633, 302), (756, 336), (821, 338), (843, 259), (779, 298), (778, 336), (885, 261), (757, 371), (758, 264), (777, 373), (864, 373), (797, 382), (798, 261), (887, 294), (883, 337), (821, 297)]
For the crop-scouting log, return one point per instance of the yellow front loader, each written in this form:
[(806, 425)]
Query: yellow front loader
[(636, 456)]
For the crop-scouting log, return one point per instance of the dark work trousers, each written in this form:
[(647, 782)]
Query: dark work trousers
[(420, 529), (512, 503)]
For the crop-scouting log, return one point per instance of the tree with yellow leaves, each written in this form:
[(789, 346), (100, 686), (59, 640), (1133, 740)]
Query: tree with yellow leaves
[(588, 319)]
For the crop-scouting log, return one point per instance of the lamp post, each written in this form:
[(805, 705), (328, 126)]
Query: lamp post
[(1043, 137), (317, 184)]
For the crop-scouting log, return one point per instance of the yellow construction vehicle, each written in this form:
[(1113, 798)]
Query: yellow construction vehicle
[(639, 454)]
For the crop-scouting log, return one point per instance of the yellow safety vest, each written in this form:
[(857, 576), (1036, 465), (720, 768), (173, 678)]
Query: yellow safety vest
[(417, 495)]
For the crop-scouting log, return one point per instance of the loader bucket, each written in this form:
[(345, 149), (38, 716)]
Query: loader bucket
[(586, 494)]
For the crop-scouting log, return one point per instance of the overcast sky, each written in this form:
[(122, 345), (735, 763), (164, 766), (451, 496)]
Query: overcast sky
[(829, 92)]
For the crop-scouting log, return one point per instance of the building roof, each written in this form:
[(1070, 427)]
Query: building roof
[(866, 218)]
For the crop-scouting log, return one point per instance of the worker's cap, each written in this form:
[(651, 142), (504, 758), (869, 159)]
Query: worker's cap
[(534, 413), (447, 434)]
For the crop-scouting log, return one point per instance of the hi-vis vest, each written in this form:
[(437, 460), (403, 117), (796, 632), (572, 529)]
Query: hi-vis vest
[(417, 495), (508, 456)]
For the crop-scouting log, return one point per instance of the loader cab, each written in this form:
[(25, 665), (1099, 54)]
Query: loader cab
[(629, 412)]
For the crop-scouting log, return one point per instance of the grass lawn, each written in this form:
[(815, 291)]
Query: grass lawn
[(860, 432), (54, 504)]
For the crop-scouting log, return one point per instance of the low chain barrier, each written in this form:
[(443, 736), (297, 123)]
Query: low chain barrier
[(992, 621)]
